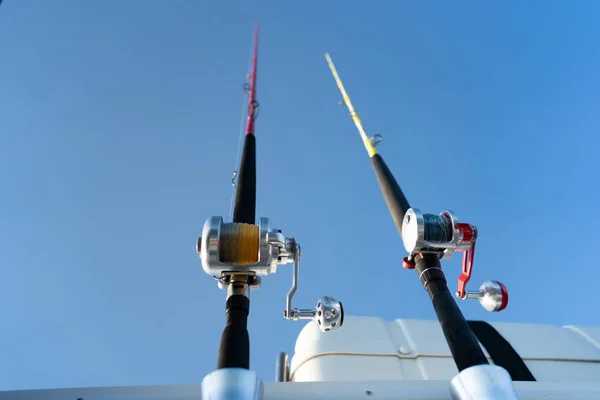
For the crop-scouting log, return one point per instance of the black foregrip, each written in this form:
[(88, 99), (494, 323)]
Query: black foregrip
[(234, 350), (395, 199), (245, 197), (461, 340)]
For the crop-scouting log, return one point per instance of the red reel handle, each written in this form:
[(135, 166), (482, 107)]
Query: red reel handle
[(467, 267)]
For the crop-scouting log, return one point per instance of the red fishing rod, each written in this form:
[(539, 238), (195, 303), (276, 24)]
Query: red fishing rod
[(237, 254), (245, 198), (239, 237)]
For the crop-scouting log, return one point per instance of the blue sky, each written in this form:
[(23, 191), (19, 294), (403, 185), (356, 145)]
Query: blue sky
[(119, 124)]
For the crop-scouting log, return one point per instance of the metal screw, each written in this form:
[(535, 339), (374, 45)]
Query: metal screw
[(404, 350)]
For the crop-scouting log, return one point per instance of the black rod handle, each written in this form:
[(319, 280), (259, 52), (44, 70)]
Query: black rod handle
[(461, 340), (234, 350)]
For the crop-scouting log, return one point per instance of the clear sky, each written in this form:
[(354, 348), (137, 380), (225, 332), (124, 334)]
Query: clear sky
[(119, 123)]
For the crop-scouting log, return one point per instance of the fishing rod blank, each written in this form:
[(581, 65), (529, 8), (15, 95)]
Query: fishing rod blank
[(428, 238), (393, 195), (245, 199)]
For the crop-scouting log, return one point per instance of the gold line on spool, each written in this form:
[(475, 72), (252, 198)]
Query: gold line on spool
[(238, 244)]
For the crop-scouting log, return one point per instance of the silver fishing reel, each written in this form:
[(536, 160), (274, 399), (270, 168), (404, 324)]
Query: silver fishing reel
[(242, 249), (443, 235), (328, 314), (440, 234), (230, 251)]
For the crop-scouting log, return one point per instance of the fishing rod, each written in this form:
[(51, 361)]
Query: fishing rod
[(237, 255), (428, 238)]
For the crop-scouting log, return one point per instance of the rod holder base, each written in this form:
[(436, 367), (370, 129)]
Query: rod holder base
[(232, 383), (483, 382)]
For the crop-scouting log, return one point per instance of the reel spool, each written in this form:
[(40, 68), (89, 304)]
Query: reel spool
[(443, 235)]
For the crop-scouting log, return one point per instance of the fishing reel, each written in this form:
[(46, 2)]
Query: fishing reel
[(232, 250), (242, 249), (443, 235)]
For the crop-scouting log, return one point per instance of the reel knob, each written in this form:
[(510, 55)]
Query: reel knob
[(329, 314), (492, 295)]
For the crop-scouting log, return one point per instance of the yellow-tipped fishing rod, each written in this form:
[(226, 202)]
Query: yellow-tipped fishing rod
[(395, 199), (427, 238)]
